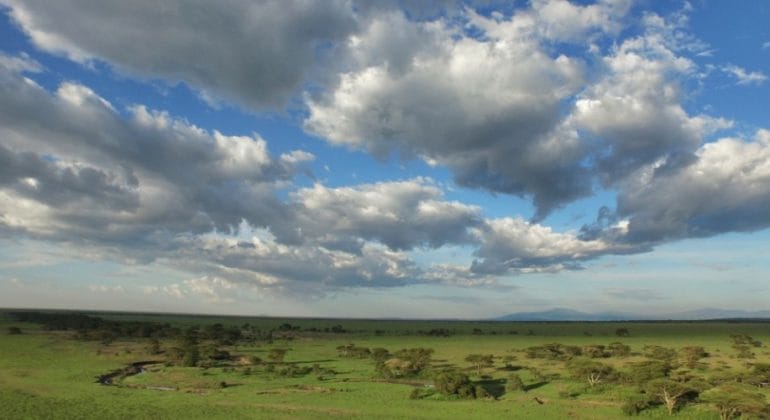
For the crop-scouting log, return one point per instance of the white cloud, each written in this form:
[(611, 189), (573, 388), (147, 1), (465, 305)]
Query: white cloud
[(486, 108), (401, 215), (103, 288), (743, 76), (725, 190), (562, 20), (635, 109), (489, 97), (513, 244), (150, 174)]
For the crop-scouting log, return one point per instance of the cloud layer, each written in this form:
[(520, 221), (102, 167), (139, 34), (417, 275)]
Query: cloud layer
[(255, 53), (552, 102)]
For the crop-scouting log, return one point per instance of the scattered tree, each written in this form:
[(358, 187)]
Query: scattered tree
[(480, 361), (622, 332), (742, 343), (454, 383), (153, 347), (618, 349), (635, 404), (514, 383), (405, 362), (379, 354), (590, 371), (277, 355), (691, 355), (191, 357), (552, 351), (660, 353), (647, 370), (594, 351), (671, 393), (734, 399), (759, 376)]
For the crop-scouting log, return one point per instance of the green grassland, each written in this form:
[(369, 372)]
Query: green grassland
[(53, 374)]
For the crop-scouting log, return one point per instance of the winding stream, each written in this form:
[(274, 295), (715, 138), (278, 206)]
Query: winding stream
[(130, 370)]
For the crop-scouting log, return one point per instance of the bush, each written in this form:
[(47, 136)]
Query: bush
[(481, 392), (191, 357), (14, 330), (618, 349), (634, 405), (454, 383), (420, 393), (514, 383)]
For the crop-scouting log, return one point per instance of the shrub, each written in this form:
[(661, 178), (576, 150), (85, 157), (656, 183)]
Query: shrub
[(191, 357), (635, 404), (481, 392), (420, 393), (454, 383), (618, 349), (514, 383)]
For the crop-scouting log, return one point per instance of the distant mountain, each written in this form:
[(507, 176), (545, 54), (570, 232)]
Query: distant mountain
[(713, 313), (563, 314)]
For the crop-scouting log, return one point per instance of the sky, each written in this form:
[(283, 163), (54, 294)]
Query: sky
[(345, 158)]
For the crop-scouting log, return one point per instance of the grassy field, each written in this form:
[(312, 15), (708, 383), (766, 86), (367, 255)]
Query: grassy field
[(52, 374)]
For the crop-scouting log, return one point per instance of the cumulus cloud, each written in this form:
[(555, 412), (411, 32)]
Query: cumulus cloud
[(495, 98), (401, 215), (634, 111), (515, 245), (159, 188), (255, 53), (727, 189), (488, 108), (149, 174), (561, 20)]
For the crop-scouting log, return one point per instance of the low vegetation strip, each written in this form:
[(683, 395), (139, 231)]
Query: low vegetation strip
[(274, 368)]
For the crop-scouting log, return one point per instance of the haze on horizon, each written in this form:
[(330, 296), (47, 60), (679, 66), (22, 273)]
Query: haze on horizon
[(439, 159)]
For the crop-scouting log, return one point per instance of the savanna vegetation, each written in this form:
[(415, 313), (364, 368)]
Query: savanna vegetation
[(112, 365)]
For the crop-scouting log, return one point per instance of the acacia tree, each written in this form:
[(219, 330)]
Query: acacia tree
[(733, 399), (591, 371), (454, 383), (480, 361), (618, 349), (660, 353), (671, 393), (277, 355), (514, 383), (691, 355), (760, 375), (405, 362), (742, 344), (647, 370)]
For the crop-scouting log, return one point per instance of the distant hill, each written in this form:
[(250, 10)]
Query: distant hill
[(563, 314)]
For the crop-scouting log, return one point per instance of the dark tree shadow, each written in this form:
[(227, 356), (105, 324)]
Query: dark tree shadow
[(510, 368), (536, 385), (495, 387), (296, 362)]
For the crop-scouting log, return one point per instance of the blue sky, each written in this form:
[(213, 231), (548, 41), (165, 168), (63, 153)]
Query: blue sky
[(391, 159)]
